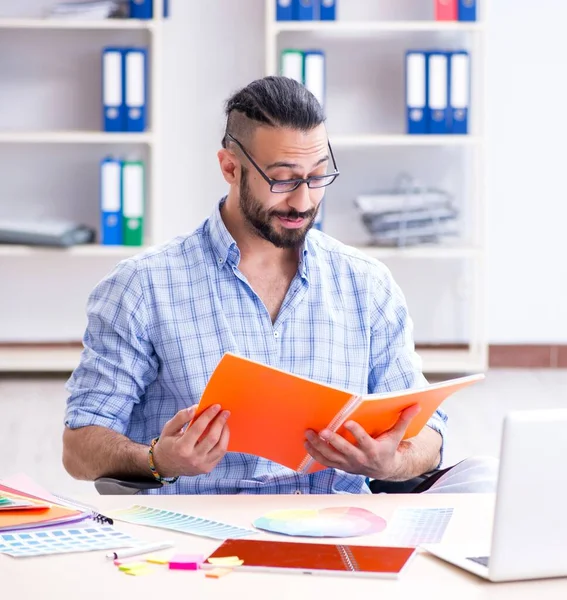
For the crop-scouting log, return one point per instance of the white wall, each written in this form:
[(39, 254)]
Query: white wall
[(43, 299)]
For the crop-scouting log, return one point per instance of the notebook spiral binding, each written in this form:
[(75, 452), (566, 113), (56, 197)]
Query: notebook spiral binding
[(94, 515)]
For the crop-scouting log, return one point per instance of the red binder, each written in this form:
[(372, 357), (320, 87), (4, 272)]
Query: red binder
[(446, 10)]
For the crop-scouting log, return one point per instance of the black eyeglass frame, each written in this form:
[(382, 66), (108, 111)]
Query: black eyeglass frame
[(273, 182)]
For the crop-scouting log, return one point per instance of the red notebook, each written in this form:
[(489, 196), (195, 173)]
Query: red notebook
[(314, 559)]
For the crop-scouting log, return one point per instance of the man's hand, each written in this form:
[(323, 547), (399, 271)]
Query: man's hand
[(380, 458), (191, 451)]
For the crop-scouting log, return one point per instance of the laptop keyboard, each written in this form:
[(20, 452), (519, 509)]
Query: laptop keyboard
[(481, 560)]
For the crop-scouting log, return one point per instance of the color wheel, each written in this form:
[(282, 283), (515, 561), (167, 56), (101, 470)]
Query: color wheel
[(324, 522)]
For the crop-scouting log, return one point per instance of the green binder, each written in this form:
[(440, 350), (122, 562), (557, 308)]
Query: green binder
[(133, 202), (292, 65)]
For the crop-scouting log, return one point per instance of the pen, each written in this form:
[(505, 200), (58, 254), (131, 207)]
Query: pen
[(140, 550)]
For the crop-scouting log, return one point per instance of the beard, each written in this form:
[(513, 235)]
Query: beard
[(260, 220)]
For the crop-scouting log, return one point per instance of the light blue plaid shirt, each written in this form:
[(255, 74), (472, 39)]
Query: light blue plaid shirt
[(161, 321)]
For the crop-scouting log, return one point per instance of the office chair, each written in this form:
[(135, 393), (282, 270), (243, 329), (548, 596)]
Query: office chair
[(109, 486)]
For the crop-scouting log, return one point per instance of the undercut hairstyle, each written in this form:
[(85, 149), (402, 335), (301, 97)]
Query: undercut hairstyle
[(272, 101)]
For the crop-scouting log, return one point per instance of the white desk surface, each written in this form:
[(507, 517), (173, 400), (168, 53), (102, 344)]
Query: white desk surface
[(90, 575)]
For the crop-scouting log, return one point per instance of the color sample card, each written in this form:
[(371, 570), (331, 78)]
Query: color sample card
[(166, 519), (324, 522), (59, 541), (415, 526), (15, 503)]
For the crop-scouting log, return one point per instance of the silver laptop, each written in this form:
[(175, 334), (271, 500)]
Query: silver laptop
[(529, 536)]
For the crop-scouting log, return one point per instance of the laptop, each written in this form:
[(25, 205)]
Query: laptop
[(529, 535)]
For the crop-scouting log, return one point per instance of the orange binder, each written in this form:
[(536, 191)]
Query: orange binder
[(271, 409)]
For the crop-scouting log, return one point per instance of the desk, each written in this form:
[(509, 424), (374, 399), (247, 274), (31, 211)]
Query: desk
[(90, 576)]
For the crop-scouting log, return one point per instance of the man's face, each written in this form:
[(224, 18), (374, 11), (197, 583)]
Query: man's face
[(283, 219)]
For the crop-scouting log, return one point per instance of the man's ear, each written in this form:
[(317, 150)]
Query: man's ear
[(230, 166)]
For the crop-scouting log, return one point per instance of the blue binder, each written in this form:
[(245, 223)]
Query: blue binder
[(141, 9), (314, 74), (438, 93), (136, 89), (284, 10), (416, 92), (304, 10), (111, 202), (166, 9), (459, 94), (327, 10), (113, 106), (466, 10)]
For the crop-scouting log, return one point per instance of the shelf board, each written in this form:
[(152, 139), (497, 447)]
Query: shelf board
[(60, 358), (108, 24), (421, 252), (74, 137), (365, 140), (339, 27), (87, 250)]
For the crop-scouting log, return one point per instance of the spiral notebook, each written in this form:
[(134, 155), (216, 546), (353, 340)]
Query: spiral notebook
[(46, 513), (272, 409), (316, 559)]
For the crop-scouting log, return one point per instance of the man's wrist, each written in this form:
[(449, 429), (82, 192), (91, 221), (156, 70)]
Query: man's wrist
[(158, 471)]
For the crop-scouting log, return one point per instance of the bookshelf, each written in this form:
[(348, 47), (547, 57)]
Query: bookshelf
[(392, 34), (88, 38)]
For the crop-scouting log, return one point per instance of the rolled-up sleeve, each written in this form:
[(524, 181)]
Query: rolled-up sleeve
[(394, 363), (118, 361)]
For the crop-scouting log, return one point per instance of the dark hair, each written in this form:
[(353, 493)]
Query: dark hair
[(274, 101)]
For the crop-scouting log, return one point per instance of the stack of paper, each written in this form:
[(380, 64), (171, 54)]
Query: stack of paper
[(404, 217), (92, 10)]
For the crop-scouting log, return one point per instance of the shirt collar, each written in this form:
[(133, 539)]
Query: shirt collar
[(226, 251), (223, 244)]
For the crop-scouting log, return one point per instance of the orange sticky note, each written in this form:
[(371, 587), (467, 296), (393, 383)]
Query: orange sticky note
[(217, 573)]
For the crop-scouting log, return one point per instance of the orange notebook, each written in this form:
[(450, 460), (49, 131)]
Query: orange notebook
[(271, 409), (46, 513)]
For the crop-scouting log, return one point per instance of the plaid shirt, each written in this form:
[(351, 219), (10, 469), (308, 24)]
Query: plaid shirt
[(160, 322)]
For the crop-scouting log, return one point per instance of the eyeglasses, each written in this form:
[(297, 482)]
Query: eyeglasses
[(283, 186)]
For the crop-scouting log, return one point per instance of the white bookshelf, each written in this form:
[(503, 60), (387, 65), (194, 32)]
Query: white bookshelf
[(319, 34), (107, 24), (74, 137), (24, 357)]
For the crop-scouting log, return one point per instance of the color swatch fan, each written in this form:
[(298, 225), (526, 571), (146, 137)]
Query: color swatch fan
[(325, 522)]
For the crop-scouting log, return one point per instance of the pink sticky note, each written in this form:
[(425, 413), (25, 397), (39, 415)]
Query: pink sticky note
[(186, 562)]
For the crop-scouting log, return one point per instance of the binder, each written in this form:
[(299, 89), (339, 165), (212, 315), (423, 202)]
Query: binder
[(438, 92), (466, 10), (114, 108), (136, 89), (416, 92), (291, 65), (314, 73), (284, 10), (166, 9), (133, 202), (327, 10), (304, 10), (111, 202), (141, 9), (446, 10), (459, 97)]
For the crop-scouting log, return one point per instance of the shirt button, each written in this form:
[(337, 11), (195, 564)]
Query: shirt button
[(276, 334), (297, 492), (220, 260)]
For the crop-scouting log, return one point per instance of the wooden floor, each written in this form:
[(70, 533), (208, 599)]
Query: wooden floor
[(32, 412)]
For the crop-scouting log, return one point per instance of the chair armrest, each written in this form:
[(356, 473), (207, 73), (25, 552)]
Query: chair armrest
[(107, 486)]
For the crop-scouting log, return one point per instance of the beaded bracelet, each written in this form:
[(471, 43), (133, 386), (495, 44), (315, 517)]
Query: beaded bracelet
[(156, 475)]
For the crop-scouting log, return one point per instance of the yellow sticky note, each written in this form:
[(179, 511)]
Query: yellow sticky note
[(132, 566), (144, 570), (225, 561), (216, 573), (157, 560)]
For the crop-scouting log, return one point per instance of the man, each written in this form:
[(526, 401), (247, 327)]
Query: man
[(253, 279)]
